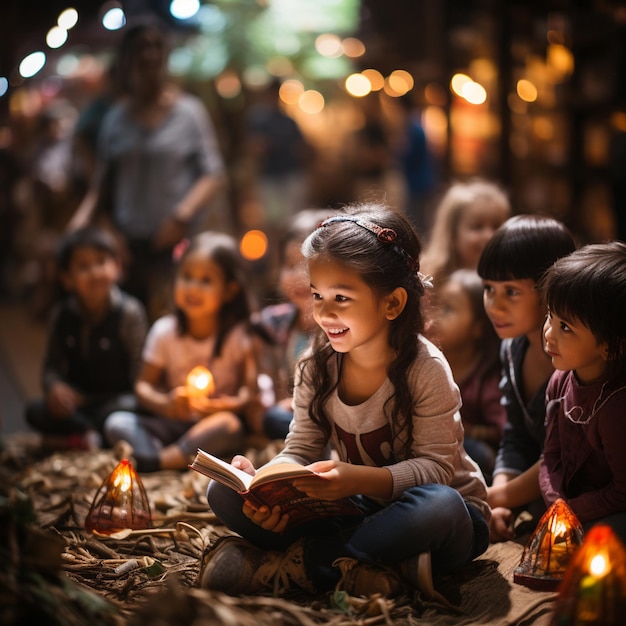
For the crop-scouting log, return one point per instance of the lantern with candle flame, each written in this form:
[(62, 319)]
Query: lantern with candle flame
[(119, 503), (593, 590), (200, 382), (550, 548)]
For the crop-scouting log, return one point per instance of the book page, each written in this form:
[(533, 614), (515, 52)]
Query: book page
[(280, 471), (222, 471)]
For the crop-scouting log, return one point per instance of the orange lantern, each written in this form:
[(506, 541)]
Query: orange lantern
[(200, 382), (119, 503), (550, 548), (593, 590)]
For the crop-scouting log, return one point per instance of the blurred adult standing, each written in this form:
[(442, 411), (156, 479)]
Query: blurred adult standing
[(277, 158), (417, 165), (159, 167)]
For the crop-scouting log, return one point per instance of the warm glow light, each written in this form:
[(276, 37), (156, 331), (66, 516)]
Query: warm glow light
[(311, 102), (353, 47), (199, 382), (67, 19), (390, 91), (550, 549), (526, 90), (228, 85), (435, 122), (56, 37), (618, 121), (401, 81), (329, 45), (560, 59), (290, 91), (253, 245), (119, 503), (458, 82), (435, 94), (598, 566), (593, 590), (358, 85), (377, 80), (474, 93)]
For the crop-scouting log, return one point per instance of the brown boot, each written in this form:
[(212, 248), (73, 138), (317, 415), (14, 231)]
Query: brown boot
[(236, 567), (365, 579)]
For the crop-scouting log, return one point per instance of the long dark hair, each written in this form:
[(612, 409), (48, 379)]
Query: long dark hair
[(358, 238), (223, 250)]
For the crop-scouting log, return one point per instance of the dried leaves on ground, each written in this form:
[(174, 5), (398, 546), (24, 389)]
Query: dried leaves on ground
[(58, 574)]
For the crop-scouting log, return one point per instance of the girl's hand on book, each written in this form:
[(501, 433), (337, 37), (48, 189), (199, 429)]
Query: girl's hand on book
[(340, 480), (244, 464), (271, 520)]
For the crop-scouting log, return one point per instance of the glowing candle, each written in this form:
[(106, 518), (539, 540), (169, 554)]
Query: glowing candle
[(593, 590), (550, 548), (200, 382), (119, 503)]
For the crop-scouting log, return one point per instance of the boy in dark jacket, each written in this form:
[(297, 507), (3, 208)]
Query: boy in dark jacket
[(94, 345)]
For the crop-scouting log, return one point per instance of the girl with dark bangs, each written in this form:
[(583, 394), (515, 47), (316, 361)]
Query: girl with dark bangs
[(511, 265)]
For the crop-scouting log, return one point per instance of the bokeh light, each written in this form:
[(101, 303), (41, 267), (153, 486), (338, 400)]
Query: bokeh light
[(184, 9), (67, 19), (56, 37), (458, 82), (329, 45), (228, 85), (32, 64), (113, 17), (353, 47), (526, 90), (474, 93), (290, 91), (311, 102), (401, 81), (358, 85), (253, 245), (377, 80)]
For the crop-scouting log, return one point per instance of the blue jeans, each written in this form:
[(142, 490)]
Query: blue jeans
[(431, 518), (276, 422)]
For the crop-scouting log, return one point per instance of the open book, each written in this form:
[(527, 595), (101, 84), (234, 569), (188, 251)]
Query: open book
[(273, 485)]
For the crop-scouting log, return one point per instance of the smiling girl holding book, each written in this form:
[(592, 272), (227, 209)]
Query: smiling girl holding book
[(384, 396)]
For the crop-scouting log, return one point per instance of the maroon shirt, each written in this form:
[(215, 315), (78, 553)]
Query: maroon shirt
[(583, 460)]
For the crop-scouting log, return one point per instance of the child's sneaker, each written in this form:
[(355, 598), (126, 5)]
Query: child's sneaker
[(236, 567), (365, 579)]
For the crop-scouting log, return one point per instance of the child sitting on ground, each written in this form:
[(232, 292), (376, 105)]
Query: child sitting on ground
[(384, 397), (469, 342), (511, 265), (585, 336), (93, 351), (209, 327)]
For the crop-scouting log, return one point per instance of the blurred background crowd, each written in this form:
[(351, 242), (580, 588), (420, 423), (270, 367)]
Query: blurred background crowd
[(293, 104)]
